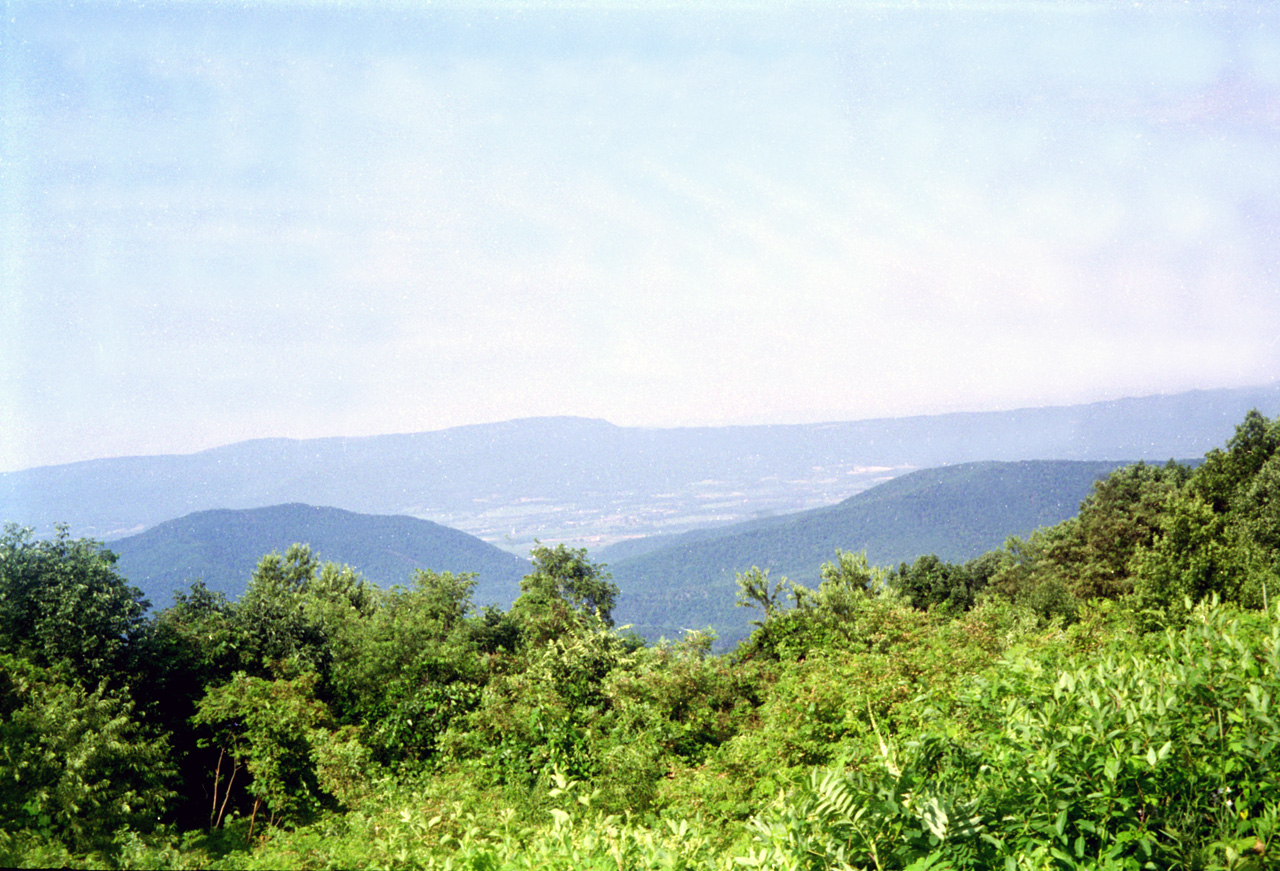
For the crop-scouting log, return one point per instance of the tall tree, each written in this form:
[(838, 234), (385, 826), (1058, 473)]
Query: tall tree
[(62, 604), (564, 591)]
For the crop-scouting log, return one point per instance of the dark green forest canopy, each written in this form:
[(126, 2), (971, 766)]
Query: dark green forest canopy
[(934, 714)]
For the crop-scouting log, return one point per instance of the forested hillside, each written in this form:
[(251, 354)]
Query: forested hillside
[(1098, 694), (954, 512), (222, 547)]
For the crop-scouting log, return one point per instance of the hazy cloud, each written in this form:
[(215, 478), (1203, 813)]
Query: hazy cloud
[(223, 221)]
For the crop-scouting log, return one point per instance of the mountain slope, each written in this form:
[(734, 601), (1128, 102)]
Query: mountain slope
[(223, 547), (956, 512)]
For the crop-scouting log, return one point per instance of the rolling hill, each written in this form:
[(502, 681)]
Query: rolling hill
[(956, 512), (222, 547)]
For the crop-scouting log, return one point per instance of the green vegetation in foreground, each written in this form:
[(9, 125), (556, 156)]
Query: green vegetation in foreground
[(1098, 695)]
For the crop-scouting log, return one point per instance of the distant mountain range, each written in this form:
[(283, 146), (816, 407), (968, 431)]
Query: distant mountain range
[(222, 548), (590, 483), (956, 512)]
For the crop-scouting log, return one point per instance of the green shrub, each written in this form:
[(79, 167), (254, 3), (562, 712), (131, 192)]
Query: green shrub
[(75, 765), (1163, 758)]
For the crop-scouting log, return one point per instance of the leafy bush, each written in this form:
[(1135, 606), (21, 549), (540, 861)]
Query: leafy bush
[(74, 764), (1161, 758)]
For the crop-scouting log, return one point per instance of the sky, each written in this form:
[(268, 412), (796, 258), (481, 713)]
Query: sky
[(231, 220)]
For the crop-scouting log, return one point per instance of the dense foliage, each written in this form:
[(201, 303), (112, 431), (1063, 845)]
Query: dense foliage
[(1099, 695)]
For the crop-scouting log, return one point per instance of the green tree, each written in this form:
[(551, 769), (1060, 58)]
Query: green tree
[(1191, 560), (1121, 515), (827, 618), (1226, 472), (73, 762), (271, 618), (1218, 535), (847, 583), (930, 581), (408, 666), (755, 591), (63, 604), (565, 591), (266, 727), (1027, 575), (1090, 555), (182, 650), (292, 607), (443, 598)]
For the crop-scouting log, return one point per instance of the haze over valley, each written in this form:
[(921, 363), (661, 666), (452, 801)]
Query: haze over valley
[(589, 483)]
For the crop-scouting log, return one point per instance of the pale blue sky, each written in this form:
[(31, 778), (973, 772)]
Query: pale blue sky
[(221, 221)]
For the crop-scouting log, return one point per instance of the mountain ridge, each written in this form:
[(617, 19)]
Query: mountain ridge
[(588, 482)]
